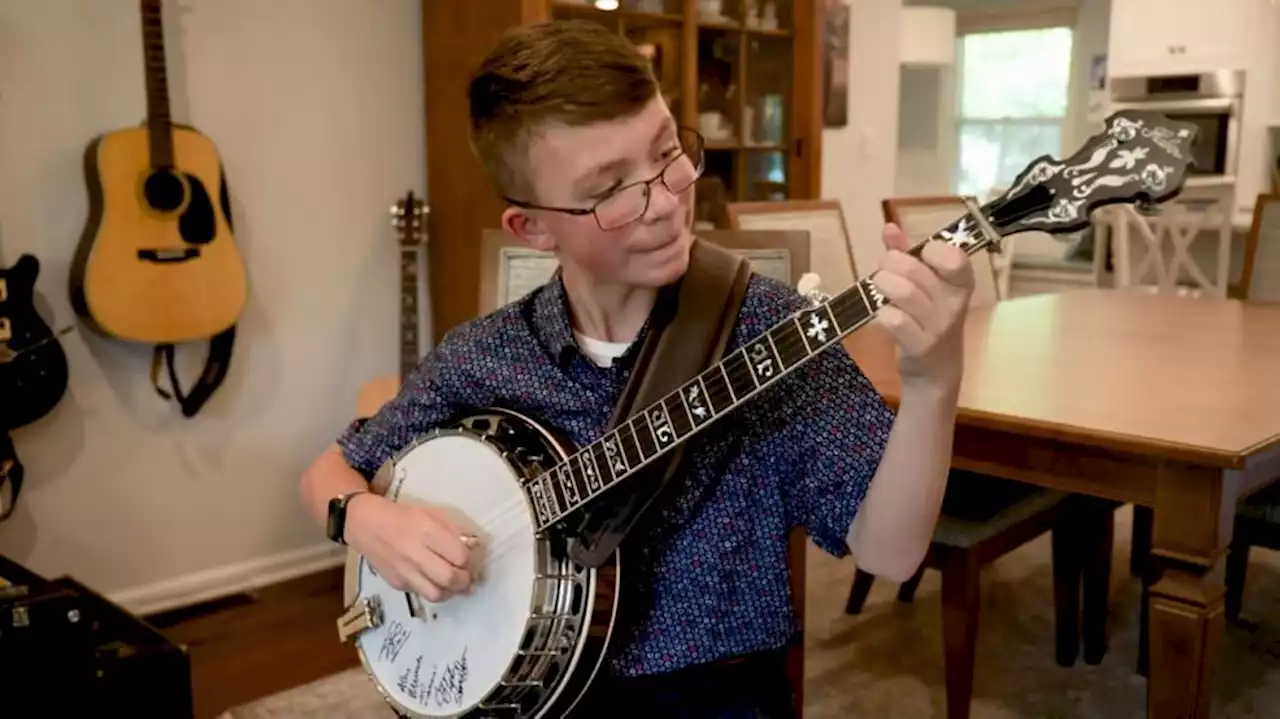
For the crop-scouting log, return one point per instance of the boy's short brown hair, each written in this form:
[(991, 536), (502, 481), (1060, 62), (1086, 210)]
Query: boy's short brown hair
[(571, 72)]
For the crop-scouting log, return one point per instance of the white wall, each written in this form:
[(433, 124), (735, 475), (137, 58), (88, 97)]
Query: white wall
[(926, 131), (317, 110), (859, 161)]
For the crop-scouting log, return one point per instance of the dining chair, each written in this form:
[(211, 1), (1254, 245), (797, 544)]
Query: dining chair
[(1152, 250), (984, 518)]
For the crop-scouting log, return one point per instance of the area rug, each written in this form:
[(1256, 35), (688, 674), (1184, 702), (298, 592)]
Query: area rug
[(346, 695), (887, 662)]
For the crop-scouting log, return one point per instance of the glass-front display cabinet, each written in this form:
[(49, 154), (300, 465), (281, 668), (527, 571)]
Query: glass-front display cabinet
[(747, 74)]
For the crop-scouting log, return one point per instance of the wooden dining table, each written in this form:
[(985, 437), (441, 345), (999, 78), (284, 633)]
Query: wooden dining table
[(1166, 402)]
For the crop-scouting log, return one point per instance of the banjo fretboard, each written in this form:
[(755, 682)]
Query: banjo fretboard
[(718, 390)]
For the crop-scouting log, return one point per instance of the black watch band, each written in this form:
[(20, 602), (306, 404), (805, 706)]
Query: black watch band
[(336, 527)]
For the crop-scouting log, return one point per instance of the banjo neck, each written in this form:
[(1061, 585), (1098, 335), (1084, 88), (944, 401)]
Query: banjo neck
[(725, 386)]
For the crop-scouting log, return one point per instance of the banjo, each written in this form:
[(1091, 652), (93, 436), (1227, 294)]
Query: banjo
[(535, 629)]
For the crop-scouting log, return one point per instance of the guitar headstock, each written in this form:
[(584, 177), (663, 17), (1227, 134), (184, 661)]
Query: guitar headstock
[(1140, 157), (409, 217)]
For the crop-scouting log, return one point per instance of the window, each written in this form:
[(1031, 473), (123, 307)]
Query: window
[(1011, 103)]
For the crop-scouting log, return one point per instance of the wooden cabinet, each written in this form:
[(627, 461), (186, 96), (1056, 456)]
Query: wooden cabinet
[(745, 73), (1178, 37)]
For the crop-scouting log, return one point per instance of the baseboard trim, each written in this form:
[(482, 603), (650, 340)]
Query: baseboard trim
[(230, 579)]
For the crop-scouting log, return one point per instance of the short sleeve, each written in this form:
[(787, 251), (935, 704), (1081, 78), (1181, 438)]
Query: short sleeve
[(837, 436), (421, 404)]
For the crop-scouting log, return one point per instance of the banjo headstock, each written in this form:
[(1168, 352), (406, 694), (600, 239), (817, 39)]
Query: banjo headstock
[(1140, 157)]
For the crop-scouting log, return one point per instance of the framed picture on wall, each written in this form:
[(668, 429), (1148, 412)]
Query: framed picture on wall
[(822, 220), (835, 63), (509, 270)]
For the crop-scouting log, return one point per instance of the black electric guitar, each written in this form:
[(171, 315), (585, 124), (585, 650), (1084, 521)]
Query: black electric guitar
[(33, 364)]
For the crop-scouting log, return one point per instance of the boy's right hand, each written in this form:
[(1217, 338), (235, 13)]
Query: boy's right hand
[(414, 548)]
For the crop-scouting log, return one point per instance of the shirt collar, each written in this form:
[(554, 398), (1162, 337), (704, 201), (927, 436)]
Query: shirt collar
[(551, 320), (552, 325)]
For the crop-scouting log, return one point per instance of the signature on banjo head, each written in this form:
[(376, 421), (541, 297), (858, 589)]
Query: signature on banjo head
[(445, 686)]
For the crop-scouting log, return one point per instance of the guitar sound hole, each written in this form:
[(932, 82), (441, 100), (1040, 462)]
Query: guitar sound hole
[(164, 191)]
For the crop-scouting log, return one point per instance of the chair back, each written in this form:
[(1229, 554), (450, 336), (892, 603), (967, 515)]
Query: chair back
[(920, 217), (1260, 277)]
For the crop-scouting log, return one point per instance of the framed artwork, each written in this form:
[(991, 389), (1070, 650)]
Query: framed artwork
[(822, 220), (835, 63), (509, 270)]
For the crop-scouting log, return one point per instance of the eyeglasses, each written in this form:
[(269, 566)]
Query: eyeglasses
[(629, 203)]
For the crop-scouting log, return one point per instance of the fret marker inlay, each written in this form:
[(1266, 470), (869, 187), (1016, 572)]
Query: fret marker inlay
[(716, 391)]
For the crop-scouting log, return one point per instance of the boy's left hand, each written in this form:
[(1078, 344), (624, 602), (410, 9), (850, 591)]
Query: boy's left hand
[(928, 302)]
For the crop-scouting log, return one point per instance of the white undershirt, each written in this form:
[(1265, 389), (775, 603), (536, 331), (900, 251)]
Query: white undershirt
[(601, 352)]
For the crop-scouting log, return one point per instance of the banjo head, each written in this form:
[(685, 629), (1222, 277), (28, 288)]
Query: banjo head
[(498, 649)]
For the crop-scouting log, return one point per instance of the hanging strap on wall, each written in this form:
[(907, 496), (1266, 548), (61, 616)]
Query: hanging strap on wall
[(215, 369), (11, 472)]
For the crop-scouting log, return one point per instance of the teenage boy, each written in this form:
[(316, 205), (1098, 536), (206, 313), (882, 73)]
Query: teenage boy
[(570, 123)]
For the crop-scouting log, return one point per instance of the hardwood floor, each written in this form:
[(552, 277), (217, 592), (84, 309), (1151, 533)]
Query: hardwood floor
[(252, 645)]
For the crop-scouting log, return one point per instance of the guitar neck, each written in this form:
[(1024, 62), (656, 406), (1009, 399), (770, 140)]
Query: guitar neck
[(159, 122), (410, 349), (719, 390)]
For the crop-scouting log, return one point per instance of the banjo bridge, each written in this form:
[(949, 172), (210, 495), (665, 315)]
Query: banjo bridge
[(363, 615)]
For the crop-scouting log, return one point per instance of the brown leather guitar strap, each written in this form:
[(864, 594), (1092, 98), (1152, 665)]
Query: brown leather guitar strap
[(689, 330)]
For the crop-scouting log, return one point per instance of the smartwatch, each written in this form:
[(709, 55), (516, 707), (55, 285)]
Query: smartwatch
[(336, 527)]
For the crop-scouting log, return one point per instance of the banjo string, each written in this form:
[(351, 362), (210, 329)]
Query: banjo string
[(503, 539)]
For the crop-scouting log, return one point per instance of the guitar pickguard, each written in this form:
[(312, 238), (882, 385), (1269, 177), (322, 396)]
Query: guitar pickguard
[(197, 225)]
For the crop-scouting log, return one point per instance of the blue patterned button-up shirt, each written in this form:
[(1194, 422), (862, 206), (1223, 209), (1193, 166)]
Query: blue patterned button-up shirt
[(715, 567)]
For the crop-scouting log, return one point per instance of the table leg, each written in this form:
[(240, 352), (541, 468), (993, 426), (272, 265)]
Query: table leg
[(1194, 515)]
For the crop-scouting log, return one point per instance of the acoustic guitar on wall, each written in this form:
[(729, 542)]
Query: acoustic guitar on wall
[(409, 216), (157, 262)]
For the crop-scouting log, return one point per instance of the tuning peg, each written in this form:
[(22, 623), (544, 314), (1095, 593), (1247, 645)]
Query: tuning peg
[(808, 286)]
